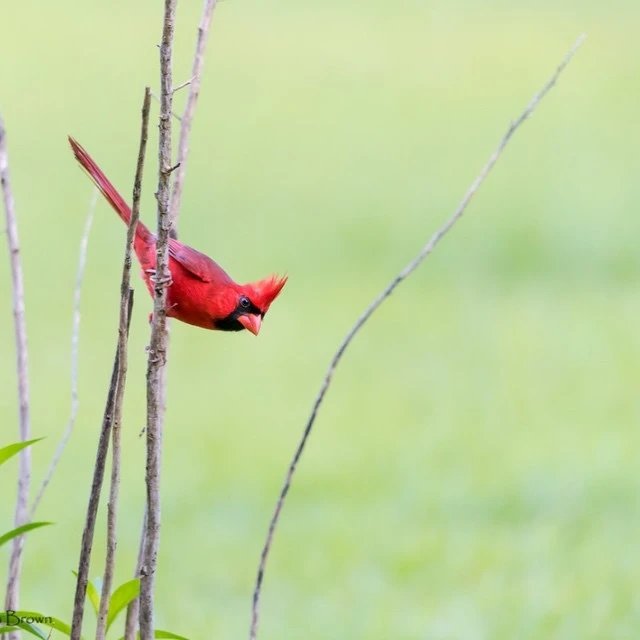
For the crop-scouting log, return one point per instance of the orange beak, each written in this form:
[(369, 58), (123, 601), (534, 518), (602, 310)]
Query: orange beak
[(251, 323)]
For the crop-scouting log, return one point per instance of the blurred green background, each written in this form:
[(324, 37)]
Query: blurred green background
[(474, 471)]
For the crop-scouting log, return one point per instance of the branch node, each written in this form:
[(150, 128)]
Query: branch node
[(182, 86)]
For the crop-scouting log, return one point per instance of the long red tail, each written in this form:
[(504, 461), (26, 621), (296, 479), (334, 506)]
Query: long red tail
[(108, 190)]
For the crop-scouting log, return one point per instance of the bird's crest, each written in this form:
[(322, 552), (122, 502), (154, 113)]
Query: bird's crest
[(264, 292)]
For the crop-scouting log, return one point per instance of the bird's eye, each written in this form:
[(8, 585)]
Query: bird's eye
[(245, 303)]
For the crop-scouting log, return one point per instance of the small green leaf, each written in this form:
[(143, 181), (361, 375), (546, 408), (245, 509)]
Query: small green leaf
[(13, 618), (23, 529), (11, 449), (170, 636), (33, 630), (159, 633), (92, 593), (121, 597)]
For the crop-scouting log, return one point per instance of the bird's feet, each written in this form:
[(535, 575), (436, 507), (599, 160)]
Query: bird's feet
[(166, 281)]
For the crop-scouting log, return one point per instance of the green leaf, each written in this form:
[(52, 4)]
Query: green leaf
[(47, 621), (11, 449), (92, 593), (121, 597), (167, 634), (159, 633), (29, 628), (12, 621), (23, 529)]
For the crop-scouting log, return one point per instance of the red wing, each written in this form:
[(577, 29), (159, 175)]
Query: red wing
[(199, 264)]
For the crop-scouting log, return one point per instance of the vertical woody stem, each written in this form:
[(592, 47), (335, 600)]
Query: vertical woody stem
[(159, 335), (12, 596)]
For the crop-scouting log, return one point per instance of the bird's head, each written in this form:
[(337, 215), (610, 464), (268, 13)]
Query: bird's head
[(252, 303)]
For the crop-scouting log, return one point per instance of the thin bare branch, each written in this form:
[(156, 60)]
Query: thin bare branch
[(184, 84), (12, 597), (159, 342), (123, 330), (370, 310), (189, 110), (94, 496), (113, 408), (133, 610), (115, 420), (75, 343)]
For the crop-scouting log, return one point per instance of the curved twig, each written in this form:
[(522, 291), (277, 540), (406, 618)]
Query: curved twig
[(370, 310), (75, 342)]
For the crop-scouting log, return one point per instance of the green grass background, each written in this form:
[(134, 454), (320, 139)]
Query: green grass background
[(474, 471)]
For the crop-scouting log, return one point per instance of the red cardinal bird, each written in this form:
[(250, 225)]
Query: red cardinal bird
[(201, 293)]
